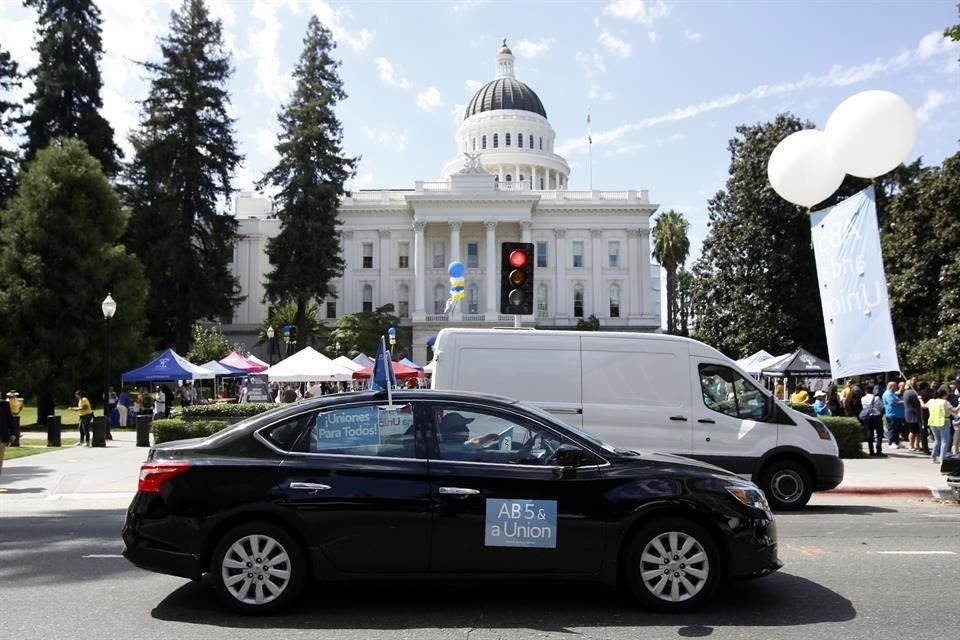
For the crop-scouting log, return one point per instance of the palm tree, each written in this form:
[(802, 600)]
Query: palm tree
[(670, 248)]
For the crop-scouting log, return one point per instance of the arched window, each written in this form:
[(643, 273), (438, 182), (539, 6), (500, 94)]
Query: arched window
[(403, 301), (542, 301), (509, 178), (578, 301), (496, 140), (531, 141), (483, 142), (614, 301), (520, 140), (473, 299), (367, 297), (506, 139), (439, 298)]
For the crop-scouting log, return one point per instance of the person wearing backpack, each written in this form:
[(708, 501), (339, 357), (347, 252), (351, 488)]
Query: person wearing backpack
[(871, 417)]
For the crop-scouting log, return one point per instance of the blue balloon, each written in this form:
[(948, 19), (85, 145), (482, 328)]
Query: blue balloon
[(456, 288), (456, 269), (391, 331)]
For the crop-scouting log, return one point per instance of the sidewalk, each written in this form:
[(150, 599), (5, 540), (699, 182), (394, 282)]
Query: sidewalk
[(106, 478)]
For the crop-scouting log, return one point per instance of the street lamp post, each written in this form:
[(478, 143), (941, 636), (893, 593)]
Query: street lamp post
[(286, 340), (392, 336), (109, 308), (270, 334)]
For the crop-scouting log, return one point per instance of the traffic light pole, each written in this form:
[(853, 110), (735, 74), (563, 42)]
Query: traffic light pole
[(516, 322)]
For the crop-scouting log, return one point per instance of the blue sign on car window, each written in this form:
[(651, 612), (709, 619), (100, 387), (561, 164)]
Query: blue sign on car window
[(521, 523), (356, 427)]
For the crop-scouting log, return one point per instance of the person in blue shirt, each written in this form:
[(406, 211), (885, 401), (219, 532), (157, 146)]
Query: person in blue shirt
[(893, 409), (820, 407)]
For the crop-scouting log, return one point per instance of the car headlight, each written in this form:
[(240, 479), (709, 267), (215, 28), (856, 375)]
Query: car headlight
[(749, 496)]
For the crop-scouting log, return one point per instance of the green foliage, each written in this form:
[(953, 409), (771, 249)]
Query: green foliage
[(671, 246), (169, 429), (66, 96), (588, 324), (309, 181), (684, 308), (181, 174), (286, 315), (361, 332), (849, 435), (59, 257), (226, 410), (755, 283), (9, 160), (208, 343)]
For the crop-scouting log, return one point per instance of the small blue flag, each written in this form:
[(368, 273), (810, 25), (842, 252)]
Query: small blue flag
[(383, 377)]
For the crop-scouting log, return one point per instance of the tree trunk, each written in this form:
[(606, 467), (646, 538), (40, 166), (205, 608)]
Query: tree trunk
[(301, 322), (671, 300), (45, 404)]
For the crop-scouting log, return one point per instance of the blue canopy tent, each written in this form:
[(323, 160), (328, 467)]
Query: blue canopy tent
[(222, 370), (169, 365), (410, 363)]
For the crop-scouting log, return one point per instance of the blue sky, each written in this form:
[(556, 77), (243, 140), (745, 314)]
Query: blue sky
[(666, 82)]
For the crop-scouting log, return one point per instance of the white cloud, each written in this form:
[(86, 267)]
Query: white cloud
[(389, 138), (457, 113), (429, 99), (271, 82), (935, 99), (333, 19), (692, 35), (592, 60), (653, 36), (266, 141), (625, 150), (473, 85), (466, 5), (596, 93), (530, 49), (391, 75), (836, 76), (645, 13), (614, 45), (361, 181)]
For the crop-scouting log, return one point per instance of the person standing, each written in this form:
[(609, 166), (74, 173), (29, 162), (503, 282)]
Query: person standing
[(86, 415), (123, 407), (16, 406), (939, 409), (6, 429), (926, 394), (871, 417), (893, 410), (160, 405), (911, 414)]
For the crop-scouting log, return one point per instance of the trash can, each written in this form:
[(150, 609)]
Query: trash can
[(53, 431), (99, 435), (15, 440), (143, 430)]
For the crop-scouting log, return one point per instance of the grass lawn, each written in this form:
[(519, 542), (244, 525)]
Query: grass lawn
[(28, 416), (32, 446)]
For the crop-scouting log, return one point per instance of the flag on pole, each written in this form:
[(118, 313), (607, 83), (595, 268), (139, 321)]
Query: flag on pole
[(382, 378), (589, 136)]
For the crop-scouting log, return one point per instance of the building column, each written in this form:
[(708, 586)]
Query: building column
[(491, 266), (533, 178), (349, 284), (633, 256), (563, 307), (525, 230), (455, 240), (501, 173), (516, 174), (646, 293), (419, 270), (601, 298), (384, 290)]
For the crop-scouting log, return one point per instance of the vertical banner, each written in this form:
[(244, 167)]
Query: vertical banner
[(853, 287)]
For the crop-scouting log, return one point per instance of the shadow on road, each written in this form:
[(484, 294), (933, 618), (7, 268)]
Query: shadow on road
[(849, 509), (770, 602), (11, 473)]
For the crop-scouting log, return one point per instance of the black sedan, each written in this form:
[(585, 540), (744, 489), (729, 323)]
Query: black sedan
[(438, 485)]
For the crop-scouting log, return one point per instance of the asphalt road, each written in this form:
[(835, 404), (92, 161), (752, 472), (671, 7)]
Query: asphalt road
[(858, 567)]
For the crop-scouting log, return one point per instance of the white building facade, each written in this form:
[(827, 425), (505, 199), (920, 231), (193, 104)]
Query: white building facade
[(506, 184)]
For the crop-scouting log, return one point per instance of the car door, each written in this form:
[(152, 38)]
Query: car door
[(730, 427), (501, 505), (358, 485)]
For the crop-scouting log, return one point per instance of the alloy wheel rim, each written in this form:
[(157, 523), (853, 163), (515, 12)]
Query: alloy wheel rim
[(786, 485), (674, 566), (256, 569)]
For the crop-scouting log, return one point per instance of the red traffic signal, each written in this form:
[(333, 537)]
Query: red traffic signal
[(516, 278), (518, 258)]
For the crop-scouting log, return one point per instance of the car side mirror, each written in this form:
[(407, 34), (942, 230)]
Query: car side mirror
[(566, 455)]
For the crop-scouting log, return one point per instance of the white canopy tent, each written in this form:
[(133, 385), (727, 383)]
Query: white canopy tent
[(757, 366), (346, 362), (308, 365), (759, 356)]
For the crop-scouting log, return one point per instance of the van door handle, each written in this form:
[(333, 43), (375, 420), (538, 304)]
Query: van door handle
[(679, 418), (310, 486), (458, 491), (707, 421)]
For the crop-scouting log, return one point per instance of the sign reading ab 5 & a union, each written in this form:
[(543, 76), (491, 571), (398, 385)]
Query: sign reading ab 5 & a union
[(521, 523)]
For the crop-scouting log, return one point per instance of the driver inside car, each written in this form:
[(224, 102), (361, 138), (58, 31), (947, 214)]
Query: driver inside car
[(455, 440)]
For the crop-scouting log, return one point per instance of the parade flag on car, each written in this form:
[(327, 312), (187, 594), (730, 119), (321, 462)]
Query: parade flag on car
[(382, 378)]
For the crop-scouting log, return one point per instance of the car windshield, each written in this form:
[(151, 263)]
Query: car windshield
[(580, 433)]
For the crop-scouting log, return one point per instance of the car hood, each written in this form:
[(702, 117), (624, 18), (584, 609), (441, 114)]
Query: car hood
[(672, 459)]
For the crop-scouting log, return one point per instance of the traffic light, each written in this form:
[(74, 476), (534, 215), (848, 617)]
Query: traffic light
[(516, 278)]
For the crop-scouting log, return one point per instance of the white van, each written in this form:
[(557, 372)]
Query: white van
[(649, 391)]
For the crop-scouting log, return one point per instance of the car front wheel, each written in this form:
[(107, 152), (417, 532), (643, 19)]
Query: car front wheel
[(258, 568), (672, 565)]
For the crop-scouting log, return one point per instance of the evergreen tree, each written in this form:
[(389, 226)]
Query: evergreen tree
[(66, 97), (181, 175), (671, 246), (361, 332), (309, 179), (9, 160), (756, 280), (59, 257)]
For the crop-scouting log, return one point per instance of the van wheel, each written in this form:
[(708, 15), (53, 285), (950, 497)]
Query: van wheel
[(671, 565), (787, 485), (258, 568)]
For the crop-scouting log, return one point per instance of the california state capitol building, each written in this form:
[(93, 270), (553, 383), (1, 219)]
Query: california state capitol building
[(505, 184)]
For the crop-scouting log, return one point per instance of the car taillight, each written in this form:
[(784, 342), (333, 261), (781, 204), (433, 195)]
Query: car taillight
[(154, 474)]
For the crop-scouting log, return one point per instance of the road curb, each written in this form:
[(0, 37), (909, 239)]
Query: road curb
[(937, 493)]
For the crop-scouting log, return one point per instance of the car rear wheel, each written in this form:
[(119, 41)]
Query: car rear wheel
[(258, 568), (787, 485), (671, 565)]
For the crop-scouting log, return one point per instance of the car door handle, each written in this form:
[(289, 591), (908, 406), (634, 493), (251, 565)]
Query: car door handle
[(310, 486), (458, 491), (706, 421), (678, 418)]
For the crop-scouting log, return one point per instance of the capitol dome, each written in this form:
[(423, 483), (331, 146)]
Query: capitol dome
[(504, 93)]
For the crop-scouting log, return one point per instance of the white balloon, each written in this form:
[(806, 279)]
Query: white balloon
[(871, 133), (801, 170)]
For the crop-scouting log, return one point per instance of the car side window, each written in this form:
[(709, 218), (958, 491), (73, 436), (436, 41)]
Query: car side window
[(480, 436), (726, 391), (368, 430)]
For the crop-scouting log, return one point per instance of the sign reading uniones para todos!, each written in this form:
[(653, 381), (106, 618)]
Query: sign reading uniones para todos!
[(521, 523), (357, 427)]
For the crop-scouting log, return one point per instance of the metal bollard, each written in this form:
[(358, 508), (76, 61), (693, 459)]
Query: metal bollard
[(99, 436), (53, 431), (143, 430)]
